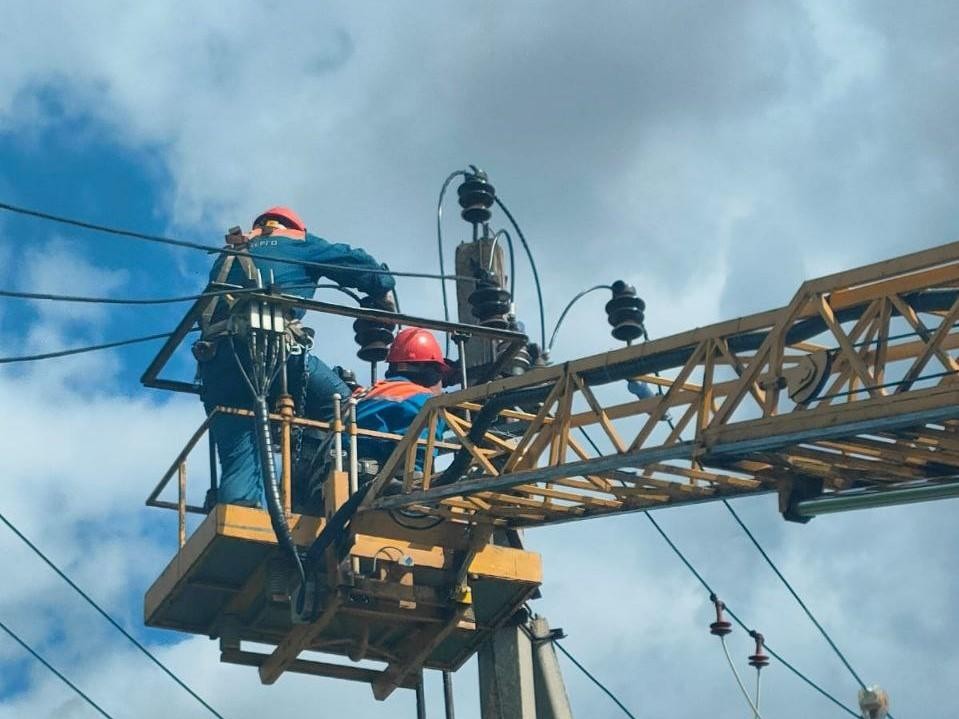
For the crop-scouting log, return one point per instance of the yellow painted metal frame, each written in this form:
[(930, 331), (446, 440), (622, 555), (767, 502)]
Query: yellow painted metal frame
[(823, 395), (874, 422)]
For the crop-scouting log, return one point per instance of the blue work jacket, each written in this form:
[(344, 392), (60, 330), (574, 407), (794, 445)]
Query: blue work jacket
[(390, 405), (349, 266)]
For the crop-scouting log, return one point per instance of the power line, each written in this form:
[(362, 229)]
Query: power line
[(106, 616), (792, 591), (82, 350), (569, 306), (706, 586), (595, 681), (699, 577), (532, 264), (160, 239), (53, 669), (163, 300), (133, 340)]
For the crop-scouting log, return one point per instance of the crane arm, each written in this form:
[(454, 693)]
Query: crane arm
[(850, 388)]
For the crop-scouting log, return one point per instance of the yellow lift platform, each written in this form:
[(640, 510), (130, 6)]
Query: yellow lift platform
[(409, 596), (845, 397)]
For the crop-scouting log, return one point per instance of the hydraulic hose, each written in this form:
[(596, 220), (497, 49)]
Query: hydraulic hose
[(271, 487), (336, 524), (483, 421)]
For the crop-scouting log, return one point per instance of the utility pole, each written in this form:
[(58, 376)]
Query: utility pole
[(518, 673)]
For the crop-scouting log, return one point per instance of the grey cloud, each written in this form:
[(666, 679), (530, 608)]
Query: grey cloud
[(714, 154)]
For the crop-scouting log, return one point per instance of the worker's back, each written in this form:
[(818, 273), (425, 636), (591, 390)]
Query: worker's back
[(390, 405), (279, 254)]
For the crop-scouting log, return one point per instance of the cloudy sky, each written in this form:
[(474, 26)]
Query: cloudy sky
[(712, 154)]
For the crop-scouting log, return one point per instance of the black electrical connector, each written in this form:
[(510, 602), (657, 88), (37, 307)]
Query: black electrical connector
[(490, 302), (476, 197), (374, 338), (625, 312)]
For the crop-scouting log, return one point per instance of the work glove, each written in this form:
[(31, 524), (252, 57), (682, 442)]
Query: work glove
[(453, 374)]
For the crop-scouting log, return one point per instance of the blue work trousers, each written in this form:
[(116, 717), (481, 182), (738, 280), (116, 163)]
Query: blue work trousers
[(241, 480)]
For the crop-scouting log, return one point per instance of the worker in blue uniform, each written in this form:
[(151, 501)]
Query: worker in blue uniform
[(416, 372), (277, 233)]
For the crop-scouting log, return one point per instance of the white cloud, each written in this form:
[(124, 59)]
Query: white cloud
[(714, 157)]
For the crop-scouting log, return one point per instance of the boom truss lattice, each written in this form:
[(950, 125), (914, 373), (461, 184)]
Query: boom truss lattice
[(850, 387)]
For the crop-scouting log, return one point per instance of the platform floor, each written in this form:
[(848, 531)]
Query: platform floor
[(216, 585)]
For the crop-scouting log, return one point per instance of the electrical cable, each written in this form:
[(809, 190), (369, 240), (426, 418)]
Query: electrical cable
[(439, 244), (213, 249), (396, 513), (568, 307), (53, 669), (383, 549), (739, 681), (886, 385), (595, 681), (163, 300), (732, 614), (49, 562), (758, 675), (792, 591), (131, 341), (709, 589), (532, 264), (82, 350)]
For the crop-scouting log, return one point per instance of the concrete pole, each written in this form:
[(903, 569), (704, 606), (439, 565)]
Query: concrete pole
[(506, 676), (552, 701)]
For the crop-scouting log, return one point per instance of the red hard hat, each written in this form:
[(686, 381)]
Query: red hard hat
[(287, 216), (416, 345)]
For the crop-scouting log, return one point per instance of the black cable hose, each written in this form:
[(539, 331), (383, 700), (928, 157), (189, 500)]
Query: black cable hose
[(271, 488), (395, 515), (482, 421), (336, 524), (532, 264)]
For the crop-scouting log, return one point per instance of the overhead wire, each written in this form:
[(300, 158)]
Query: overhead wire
[(50, 563), (682, 557), (779, 574), (788, 586), (742, 687), (568, 307), (593, 679), (732, 614), (133, 301), (47, 296), (53, 669), (83, 350), (213, 249), (532, 264), (794, 594)]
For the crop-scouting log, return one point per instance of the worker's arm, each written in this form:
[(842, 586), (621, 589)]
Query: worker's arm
[(352, 266)]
